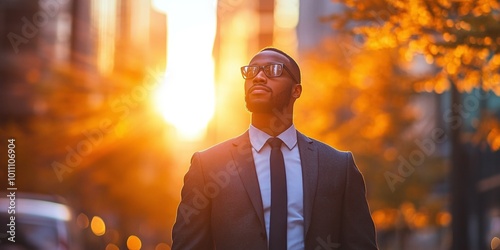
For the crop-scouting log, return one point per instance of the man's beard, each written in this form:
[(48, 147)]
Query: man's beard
[(277, 103)]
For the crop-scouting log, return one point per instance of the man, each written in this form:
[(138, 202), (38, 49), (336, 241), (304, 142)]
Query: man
[(272, 187)]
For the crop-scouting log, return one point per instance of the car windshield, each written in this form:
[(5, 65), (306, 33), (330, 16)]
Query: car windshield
[(33, 233)]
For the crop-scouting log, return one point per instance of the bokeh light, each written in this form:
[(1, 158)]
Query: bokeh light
[(495, 243), (111, 246), (134, 243), (82, 221), (162, 246), (443, 219), (98, 226)]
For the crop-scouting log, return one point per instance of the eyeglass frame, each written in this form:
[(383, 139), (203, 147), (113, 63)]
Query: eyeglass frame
[(262, 68)]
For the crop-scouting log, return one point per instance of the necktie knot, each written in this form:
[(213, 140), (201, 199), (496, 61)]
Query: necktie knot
[(275, 142)]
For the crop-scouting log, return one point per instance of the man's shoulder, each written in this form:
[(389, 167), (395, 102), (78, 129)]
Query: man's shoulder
[(323, 147), (331, 156), (241, 140)]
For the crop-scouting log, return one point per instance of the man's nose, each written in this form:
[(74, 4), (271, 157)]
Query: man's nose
[(260, 78)]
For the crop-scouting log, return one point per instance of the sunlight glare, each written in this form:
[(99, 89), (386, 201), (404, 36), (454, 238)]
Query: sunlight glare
[(186, 98), (159, 5), (286, 14)]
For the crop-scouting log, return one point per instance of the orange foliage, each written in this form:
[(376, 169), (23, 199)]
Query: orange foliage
[(362, 102), (462, 38)]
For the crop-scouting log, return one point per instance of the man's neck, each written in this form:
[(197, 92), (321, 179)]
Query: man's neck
[(272, 124)]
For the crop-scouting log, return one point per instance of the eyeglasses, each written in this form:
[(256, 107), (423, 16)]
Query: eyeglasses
[(271, 70)]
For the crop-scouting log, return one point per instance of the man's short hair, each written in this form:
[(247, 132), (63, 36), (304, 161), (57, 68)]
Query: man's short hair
[(295, 65)]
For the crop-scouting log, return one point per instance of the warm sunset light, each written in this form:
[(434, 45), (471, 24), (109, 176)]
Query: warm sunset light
[(186, 97), (104, 16), (106, 102), (286, 14)]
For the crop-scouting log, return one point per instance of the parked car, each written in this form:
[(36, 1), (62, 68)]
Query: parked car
[(35, 222)]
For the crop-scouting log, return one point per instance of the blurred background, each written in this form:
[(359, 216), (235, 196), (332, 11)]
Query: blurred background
[(107, 100)]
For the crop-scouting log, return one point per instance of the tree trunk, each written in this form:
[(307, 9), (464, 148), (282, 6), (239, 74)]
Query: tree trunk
[(458, 177)]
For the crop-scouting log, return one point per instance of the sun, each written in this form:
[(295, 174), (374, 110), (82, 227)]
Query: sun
[(186, 98), (187, 103)]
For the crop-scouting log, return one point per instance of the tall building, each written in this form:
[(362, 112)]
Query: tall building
[(312, 27), (94, 37), (37, 33)]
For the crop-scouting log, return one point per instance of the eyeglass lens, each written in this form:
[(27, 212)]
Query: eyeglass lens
[(271, 70)]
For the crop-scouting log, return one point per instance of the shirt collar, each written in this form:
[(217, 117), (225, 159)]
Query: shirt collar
[(258, 138)]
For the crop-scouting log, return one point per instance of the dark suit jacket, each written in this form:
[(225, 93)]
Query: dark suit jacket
[(221, 206)]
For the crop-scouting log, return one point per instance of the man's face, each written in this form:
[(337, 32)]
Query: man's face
[(268, 95)]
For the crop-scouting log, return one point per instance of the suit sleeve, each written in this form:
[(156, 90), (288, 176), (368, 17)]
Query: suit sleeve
[(358, 230), (192, 226)]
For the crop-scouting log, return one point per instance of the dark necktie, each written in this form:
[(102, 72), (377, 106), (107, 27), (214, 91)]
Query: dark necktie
[(278, 221)]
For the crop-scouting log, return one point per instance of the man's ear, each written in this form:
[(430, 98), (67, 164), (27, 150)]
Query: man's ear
[(296, 91)]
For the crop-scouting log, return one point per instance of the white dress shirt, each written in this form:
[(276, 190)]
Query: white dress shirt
[(261, 152)]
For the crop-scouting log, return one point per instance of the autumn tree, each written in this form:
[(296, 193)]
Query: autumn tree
[(461, 38), (363, 100)]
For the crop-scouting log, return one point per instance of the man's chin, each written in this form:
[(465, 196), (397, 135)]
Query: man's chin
[(262, 108)]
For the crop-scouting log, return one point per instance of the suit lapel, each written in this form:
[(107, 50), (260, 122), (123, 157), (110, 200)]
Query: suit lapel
[(242, 155), (309, 162)]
